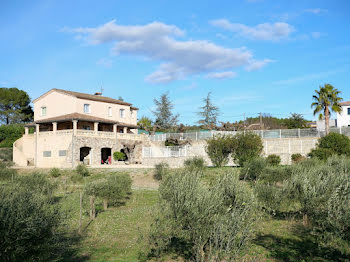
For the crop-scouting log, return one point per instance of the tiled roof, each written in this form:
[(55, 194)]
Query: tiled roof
[(346, 103), (83, 117)]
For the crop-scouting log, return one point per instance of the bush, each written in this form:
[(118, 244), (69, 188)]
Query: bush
[(37, 182), (296, 158), (245, 147), (219, 149), (82, 170), (195, 164), (332, 144), (6, 154), (274, 174), (211, 223), (9, 134), (269, 196), (6, 173), (55, 172), (28, 225), (253, 169), (273, 160), (161, 170), (119, 156)]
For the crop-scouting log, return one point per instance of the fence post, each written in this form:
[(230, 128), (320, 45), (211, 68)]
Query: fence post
[(280, 133), (340, 130), (262, 133), (196, 136), (298, 132), (289, 158)]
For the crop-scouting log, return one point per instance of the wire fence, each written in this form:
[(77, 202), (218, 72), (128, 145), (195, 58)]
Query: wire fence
[(276, 133), (168, 151)]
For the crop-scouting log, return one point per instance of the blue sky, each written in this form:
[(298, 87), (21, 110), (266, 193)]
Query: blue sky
[(253, 55)]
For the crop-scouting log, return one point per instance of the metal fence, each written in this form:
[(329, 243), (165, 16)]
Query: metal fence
[(168, 151), (276, 133)]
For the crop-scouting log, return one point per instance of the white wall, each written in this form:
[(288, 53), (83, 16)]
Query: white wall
[(343, 119)]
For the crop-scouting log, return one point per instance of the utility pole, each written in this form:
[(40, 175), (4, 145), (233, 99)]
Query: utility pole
[(261, 122)]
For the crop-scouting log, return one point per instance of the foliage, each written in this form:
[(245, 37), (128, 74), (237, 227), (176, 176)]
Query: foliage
[(209, 113), (323, 192), (273, 160), (28, 224), (15, 106), (296, 158), (119, 156), (253, 168), (145, 123), (269, 196), (37, 182), (199, 222), (331, 144), (326, 99), (295, 121), (195, 164), (160, 170), (219, 149), (164, 116), (9, 134), (82, 170), (275, 174), (6, 154), (6, 173), (246, 146), (55, 172)]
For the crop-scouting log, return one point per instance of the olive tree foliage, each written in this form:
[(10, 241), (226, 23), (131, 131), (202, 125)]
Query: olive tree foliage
[(323, 192), (219, 148), (165, 118), (15, 106), (201, 222), (245, 147), (208, 113)]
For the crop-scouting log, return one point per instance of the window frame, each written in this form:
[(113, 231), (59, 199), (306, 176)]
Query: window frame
[(348, 111), (110, 111), (122, 113), (47, 155), (60, 153), (42, 111), (88, 107)]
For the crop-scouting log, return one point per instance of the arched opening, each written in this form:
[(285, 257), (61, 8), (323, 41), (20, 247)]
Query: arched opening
[(85, 155), (125, 150), (106, 155)]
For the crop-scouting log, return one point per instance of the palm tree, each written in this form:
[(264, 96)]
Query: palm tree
[(326, 100)]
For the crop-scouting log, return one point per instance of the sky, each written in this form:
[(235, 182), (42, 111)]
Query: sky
[(252, 55)]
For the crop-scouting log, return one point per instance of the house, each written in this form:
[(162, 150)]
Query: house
[(72, 128), (343, 118)]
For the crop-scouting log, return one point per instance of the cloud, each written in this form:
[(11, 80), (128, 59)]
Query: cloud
[(316, 34), (265, 31), (105, 62), (315, 11), (240, 98), (158, 42), (221, 75), (256, 65)]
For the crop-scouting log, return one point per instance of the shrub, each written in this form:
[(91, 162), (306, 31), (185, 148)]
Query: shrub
[(6, 154), (55, 172), (219, 149), (37, 182), (82, 170), (253, 169), (28, 225), (273, 160), (195, 164), (296, 158), (119, 156), (269, 196), (9, 134), (274, 174), (246, 146), (331, 144), (6, 173), (161, 170), (212, 223)]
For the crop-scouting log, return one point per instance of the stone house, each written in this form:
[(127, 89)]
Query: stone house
[(72, 128)]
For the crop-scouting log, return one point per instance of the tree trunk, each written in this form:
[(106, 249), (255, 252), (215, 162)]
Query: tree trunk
[(326, 116), (305, 220), (92, 207), (105, 204)]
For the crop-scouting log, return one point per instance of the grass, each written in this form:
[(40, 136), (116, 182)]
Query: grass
[(119, 234)]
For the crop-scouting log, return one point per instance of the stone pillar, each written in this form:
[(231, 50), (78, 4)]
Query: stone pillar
[(37, 129), (54, 127), (75, 126), (115, 128), (96, 127), (26, 130), (125, 130)]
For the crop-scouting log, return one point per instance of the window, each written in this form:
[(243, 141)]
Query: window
[(132, 113), (122, 113), (47, 153), (62, 153), (348, 110), (109, 111), (86, 108), (43, 111), (87, 127)]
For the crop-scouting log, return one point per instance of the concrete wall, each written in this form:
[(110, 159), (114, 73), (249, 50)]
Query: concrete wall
[(343, 119)]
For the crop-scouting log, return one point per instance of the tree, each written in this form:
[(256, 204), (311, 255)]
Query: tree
[(209, 113), (145, 123), (326, 100), (295, 121), (120, 98), (245, 147), (165, 118), (15, 106)]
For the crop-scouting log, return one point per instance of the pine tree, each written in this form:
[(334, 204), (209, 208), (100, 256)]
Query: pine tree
[(209, 113), (165, 118)]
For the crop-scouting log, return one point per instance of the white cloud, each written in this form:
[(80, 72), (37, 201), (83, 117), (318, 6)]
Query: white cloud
[(157, 41), (316, 34), (256, 65), (222, 75), (265, 31), (303, 78), (105, 62), (315, 11)]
